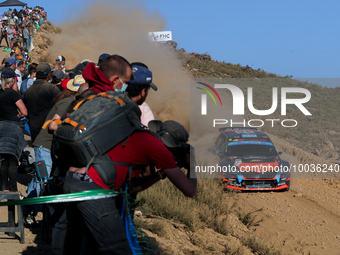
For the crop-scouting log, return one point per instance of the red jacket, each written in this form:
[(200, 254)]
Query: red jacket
[(98, 82)]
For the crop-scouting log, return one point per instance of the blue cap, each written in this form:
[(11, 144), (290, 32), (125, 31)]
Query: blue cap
[(10, 61), (142, 75), (102, 57), (8, 73)]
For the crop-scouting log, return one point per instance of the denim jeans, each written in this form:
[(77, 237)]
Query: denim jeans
[(98, 219), (26, 43), (35, 189)]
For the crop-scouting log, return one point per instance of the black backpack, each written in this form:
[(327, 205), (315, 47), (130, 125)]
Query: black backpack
[(97, 124)]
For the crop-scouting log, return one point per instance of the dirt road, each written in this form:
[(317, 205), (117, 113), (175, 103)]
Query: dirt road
[(304, 220)]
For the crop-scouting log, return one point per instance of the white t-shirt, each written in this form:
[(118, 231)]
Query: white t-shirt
[(19, 76), (147, 114)]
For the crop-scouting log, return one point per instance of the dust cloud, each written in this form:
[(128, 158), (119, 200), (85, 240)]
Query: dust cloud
[(120, 28), (116, 28)]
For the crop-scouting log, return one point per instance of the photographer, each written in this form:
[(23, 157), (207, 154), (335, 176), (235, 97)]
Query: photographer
[(175, 138), (99, 220)]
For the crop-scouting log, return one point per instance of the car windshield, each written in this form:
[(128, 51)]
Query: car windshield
[(251, 149)]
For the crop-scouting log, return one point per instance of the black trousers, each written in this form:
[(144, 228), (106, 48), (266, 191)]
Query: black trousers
[(99, 220), (9, 172), (2, 37)]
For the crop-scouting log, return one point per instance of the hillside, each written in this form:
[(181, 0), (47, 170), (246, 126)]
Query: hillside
[(322, 127)]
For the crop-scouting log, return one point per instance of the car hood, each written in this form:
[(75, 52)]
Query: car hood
[(256, 163)]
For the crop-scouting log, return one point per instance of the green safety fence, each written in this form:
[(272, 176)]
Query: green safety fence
[(71, 197)]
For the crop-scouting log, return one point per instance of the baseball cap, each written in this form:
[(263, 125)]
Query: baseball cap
[(10, 61), (75, 83), (171, 132), (60, 59), (43, 68), (8, 73), (58, 74), (102, 57), (142, 75)]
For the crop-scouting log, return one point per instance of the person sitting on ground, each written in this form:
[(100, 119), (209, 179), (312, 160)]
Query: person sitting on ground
[(15, 47), (12, 54), (12, 141), (22, 52), (10, 32), (17, 58)]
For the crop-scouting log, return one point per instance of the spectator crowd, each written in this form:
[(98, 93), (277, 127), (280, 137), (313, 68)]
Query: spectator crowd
[(32, 94), (17, 27)]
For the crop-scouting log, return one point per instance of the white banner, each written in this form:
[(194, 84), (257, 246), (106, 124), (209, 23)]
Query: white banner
[(162, 36)]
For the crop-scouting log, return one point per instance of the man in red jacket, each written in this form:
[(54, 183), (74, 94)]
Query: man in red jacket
[(99, 220), (113, 74)]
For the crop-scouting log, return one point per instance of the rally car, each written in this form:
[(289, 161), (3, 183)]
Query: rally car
[(249, 160)]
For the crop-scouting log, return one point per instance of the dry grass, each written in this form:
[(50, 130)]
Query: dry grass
[(234, 250), (202, 66), (47, 40), (208, 208), (155, 227), (44, 58), (258, 248), (43, 46), (48, 27), (249, 219)]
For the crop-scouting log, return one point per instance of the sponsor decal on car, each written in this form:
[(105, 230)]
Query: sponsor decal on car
[(249, 136), (249, 142)]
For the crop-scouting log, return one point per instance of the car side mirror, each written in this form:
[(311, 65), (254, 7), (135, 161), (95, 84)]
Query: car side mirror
[(280, 153)]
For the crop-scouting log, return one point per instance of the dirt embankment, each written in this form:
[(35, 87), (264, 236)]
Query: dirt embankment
[(304, 220)]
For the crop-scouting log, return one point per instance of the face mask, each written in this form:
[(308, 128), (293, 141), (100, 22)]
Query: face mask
[(124, 87)]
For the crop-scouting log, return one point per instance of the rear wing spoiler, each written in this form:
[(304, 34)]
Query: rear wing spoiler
[(236, 128)]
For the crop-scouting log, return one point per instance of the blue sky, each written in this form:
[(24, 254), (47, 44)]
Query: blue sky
[(291, 37)]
